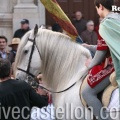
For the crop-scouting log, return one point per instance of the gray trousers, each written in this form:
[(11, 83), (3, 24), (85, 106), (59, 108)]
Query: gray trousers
[(90, 96)]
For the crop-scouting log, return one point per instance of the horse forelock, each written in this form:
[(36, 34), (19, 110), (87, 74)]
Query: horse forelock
[(61, 58)]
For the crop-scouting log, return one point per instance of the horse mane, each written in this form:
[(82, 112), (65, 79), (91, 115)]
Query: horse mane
[(62, 59)]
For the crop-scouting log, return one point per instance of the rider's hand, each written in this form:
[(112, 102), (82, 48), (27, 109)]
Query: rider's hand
[(41, 91), (85, 45), (87, 63)]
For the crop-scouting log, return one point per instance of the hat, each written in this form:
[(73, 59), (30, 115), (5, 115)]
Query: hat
[(15, 41), (24, 21)]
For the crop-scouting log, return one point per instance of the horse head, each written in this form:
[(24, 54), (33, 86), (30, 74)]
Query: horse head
[(53, 54), (28, 60)]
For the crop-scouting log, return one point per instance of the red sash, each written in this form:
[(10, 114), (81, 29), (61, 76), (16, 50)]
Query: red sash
[(101, 71)]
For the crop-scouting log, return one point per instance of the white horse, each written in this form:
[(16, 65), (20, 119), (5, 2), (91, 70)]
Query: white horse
[(62, 63)]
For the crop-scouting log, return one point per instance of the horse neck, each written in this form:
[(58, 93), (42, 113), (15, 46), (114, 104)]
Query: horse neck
[(63, 61)]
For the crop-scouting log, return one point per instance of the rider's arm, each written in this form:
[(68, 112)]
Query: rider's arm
[(92, 48), (98, 58)]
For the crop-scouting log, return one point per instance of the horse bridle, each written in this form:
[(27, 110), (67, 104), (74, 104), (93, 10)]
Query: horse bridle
[(30, 77), (30, 58)]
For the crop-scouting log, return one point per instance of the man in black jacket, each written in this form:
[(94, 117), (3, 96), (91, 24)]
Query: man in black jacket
[(24, 28), (16, 97), (79, 22)]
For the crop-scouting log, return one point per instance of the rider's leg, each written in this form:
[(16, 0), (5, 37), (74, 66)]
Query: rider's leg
[(90, 96)]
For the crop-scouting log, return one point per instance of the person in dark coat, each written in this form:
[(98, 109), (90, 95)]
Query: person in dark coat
[(24, 28), (56, 27), (79, 22), (16, 96)]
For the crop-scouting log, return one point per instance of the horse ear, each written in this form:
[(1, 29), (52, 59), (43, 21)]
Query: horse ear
[(36, 29), (42, 27)]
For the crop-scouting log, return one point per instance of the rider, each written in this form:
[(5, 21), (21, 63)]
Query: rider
[(110, 31), (100, 69)]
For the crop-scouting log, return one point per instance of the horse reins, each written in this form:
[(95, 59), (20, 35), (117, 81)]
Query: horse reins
[(82, 77), (59, 91)]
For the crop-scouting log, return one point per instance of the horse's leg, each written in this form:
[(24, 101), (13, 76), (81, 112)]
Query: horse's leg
[(90, 96)]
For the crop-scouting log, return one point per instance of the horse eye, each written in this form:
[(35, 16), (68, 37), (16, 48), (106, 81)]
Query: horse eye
[(26, 51)]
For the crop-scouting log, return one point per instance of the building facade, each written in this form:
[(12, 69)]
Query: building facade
[(87, 8), (13, 11)]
